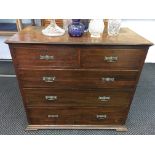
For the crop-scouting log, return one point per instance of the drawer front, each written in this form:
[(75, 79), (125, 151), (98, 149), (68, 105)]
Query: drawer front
[(52, 97), (77, 116), (112, 58), (78, 78), (47, 56)]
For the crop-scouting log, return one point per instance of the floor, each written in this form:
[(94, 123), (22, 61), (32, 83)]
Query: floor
[(141, 118)]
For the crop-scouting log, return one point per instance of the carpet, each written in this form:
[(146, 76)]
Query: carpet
[(141, 118)]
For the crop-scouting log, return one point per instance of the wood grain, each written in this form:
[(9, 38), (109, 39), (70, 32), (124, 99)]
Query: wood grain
[(76, 116), (78, 79), (33, 35), (64, 57), (37, 97), (127, 58)]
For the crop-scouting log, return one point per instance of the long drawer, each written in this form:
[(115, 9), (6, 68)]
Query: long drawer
[(47, 56), (112, 58), (77, 116), (53, 97), (77, 78)]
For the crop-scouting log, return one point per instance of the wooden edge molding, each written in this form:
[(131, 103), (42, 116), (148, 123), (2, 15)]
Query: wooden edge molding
[(121, 128), (7, 33)]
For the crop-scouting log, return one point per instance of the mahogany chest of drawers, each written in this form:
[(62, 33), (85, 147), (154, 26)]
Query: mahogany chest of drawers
[(82, 83)]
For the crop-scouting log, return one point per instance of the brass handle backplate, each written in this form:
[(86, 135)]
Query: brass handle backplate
[(46, 57), (104, 98), (51, 98), (108, 79), (102, 116), (111, 58), (53, 116), (49, 79)]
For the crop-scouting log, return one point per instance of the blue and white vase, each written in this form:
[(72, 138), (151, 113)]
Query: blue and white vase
[(76, 28)]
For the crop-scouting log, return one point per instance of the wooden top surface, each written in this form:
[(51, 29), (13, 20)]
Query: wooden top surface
[(33, 35)]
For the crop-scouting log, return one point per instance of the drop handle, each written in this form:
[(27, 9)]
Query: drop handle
[(53, 116), (111, 59), (51, 98), (104, 98), (46, 57), (49, 79), (108, 79), (101, 116)]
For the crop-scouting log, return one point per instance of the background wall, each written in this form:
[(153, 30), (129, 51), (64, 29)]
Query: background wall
[(145, 28)]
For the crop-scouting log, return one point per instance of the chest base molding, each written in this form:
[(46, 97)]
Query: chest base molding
[(122, 128)]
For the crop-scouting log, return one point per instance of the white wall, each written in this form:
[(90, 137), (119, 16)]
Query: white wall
[(145, 28), (4, 50)]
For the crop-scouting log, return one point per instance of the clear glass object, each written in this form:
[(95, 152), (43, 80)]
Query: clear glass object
[(66, 23), (53, 30), (96, 27), (114, 27)]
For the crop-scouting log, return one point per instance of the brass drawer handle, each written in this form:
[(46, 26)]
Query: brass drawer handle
[(108, 79), (46, 57), (49, 79), (111, 58), (53, 116), (104, 98), (51, 98), (104, 116)]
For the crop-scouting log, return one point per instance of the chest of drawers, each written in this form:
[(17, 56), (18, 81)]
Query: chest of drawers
[(81, 83)]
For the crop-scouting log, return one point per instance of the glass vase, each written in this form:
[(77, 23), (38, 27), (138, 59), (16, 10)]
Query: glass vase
[(114, 27), (96, 27)]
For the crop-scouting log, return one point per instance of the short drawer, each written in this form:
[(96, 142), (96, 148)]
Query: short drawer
[(54, 97), (112, 58), (77, 116), (46, 56), (78, 78)]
